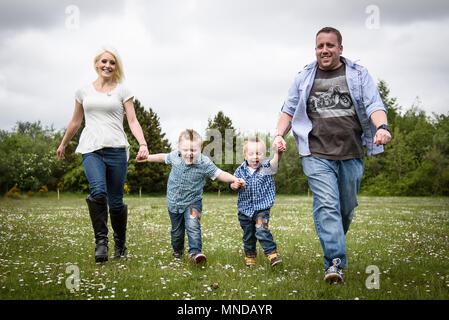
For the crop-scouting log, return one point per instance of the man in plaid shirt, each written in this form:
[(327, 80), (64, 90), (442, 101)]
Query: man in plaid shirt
[(255, 200)]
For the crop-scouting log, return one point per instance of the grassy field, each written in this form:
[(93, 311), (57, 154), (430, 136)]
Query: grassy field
[(44, 242)]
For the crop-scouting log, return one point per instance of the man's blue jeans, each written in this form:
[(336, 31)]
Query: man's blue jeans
[(105, 170), (189, 221), (256, 228), (334, 185)]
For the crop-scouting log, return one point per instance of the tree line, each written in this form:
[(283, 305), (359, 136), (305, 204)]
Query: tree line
[(415, 163)]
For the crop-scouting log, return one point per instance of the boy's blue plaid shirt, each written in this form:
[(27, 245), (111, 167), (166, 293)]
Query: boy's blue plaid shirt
[(185, 182), (260, 192)]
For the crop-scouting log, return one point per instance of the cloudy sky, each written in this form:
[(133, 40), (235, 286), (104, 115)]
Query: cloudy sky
[(189, 59)]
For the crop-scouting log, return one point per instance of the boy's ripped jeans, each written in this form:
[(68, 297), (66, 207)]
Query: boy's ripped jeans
[(256, 228), (189, 221)]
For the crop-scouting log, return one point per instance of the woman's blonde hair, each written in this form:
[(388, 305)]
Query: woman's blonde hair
[(118, 75)]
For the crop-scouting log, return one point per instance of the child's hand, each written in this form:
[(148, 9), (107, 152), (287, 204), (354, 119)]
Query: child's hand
[(235, 186), (142, 159), (279, 144), (241, 182)]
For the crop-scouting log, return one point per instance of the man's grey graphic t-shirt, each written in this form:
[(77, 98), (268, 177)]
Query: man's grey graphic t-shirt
[(336, 131)]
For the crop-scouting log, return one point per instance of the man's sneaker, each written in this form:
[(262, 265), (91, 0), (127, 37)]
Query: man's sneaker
[(334, 273), (177, 254), (250, 260), (197, 257), (274, 259)]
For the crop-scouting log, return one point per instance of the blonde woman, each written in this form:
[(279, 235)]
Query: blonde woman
[(105, 148)]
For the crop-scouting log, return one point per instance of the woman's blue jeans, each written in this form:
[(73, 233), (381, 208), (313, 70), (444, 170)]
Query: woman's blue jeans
[(256, 228), (334, 185), (105, 170), (187, 221)]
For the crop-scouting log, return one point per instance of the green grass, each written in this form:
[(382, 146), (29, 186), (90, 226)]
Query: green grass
[(406, 238)]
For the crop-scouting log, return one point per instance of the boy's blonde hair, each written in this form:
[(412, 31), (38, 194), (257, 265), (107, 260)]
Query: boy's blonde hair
[(190, 135), (118, 75), (254, 140)]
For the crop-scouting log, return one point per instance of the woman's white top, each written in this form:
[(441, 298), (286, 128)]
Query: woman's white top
[(103, 114)]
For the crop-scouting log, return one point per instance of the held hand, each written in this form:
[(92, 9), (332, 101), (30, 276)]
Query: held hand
[(142, 155), (280, 144), (60, 152), (235, 186), (142, 159), (241, 182), (382, 137)]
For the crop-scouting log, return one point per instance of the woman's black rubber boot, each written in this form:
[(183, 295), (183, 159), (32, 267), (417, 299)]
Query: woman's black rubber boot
[(119, 220), (98, 210)]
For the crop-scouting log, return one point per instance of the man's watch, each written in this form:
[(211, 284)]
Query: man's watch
[(383, 126)]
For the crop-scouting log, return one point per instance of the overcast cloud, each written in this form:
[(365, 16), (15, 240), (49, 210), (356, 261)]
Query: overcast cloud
[(189, 59)]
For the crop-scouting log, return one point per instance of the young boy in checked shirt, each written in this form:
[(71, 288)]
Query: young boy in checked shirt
[(255, 200), (185, 189)]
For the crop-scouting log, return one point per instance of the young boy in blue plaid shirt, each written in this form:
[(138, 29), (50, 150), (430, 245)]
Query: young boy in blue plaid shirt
[(255, 200), (185, 189)]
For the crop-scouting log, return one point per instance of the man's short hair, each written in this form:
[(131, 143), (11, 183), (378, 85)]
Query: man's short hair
[(333, 30)]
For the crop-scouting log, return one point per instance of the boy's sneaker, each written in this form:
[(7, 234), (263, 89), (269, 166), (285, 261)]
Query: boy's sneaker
[(197, 257), (274, 259), (334, 273), (250, 260), (177, 254)]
